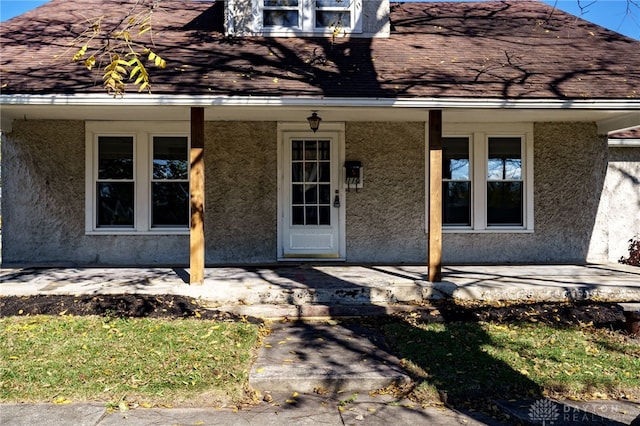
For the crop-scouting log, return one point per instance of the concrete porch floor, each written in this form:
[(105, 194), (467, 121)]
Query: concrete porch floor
[(348, 285)]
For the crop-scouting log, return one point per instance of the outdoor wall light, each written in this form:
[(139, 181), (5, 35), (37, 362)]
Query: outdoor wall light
[(314, 121)]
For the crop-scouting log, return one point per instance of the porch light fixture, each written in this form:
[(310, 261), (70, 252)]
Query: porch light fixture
[(314, 121)]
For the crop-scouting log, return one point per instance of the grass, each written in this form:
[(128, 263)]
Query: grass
[(141, 361), (479, 360)]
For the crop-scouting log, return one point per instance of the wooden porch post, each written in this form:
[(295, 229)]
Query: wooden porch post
[(435, 196), (196, 189)]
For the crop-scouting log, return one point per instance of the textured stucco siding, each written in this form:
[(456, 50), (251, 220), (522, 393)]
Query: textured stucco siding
[(43, 214), (241, 161), (619, 210), (579, 215), (385, 219)]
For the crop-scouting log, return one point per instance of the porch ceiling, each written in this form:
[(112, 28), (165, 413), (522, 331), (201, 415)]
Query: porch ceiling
[(608, 120)]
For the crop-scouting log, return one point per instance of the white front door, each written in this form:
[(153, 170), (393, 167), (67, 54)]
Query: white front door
[(311, 205)]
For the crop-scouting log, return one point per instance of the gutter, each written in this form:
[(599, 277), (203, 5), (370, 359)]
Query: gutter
[(256, 101)]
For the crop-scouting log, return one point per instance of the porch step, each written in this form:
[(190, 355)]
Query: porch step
[(324, 357)]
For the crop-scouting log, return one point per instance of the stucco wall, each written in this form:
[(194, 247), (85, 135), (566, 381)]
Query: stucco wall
[(43, 214), (241, 192), (385, 219), (44, 178), (619, 210)]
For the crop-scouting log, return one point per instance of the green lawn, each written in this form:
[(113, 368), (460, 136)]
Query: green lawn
[(140, 361), (468, 360)]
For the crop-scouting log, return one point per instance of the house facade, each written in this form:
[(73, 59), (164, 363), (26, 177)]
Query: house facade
[(527, 95)]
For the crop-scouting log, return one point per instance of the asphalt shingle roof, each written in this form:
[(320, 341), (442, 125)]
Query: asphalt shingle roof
[(510, 49)]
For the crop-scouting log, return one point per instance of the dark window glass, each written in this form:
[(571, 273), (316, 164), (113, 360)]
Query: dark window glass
[(280, 18), (456, 183), (325, 215), (297, 215), (115, 157), (170, 158), (311, 213), (504, 203), (115, 204), (296, 150), (325, 194), (170, 204), (328, 19), (170, 182), (456, 203), (505, 159)]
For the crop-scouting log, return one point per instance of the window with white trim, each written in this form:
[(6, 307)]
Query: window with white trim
[(300, 17), (137, 178), (487, 178)]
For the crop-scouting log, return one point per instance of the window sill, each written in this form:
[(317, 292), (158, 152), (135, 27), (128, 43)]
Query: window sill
[(487, 231), (139, 233)]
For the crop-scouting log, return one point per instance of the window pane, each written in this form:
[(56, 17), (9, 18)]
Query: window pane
[(296, 172), (170, 204), (310, 150), (325, 215), (281, 3), (297, 195), (325, 194), (284, 18), (115, 204), (115, 157), (505, 159), (332, 3), (325, 172), (325, 19), (170, 158), (504, 203), (455, 158), (456, 203), (324, 150), (297, 216), (311, 172), (296, 150), (311, 215), (311, 194)]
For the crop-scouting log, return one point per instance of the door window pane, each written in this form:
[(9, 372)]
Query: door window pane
[(114, 204), (310, 182)]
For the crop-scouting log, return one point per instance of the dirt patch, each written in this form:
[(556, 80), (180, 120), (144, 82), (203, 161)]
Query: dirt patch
[(600, 315), (129, 305)]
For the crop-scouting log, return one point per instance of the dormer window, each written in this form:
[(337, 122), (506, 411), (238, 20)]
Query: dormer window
[(300, 17), (295, 17)]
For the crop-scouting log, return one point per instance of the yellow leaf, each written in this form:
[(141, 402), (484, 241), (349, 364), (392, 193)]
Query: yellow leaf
[(152, 56), (259, 370), (62, 401), (295, 394)]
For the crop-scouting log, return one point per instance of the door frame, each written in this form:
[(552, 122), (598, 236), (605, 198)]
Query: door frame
[(333, 130)]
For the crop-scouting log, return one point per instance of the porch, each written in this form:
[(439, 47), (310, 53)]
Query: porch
[(329, 289)]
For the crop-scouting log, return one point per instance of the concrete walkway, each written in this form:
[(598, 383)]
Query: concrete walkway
[(338, 285)]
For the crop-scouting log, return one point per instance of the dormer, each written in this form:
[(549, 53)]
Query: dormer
[(307, 18)]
